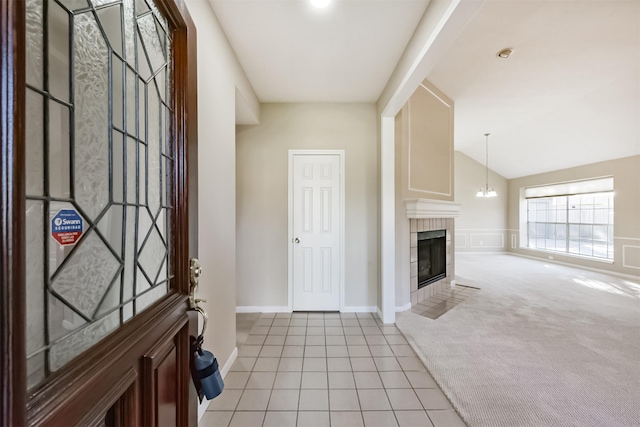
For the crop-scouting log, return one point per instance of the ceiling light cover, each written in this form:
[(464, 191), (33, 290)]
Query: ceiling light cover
[(320, 4), (504, 53)]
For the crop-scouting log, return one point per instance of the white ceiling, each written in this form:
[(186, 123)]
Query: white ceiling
[(568, 96)]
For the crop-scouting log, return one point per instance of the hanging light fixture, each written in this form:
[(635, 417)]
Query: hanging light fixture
[(486, 191)]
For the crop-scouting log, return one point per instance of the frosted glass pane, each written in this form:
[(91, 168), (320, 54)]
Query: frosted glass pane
[(59, 150), (153, 173), (129, 31), (111, 228), (132, 162), (75, 4), (61, 353), (117, 88), (35, 370), (153, 41), (129, 253), (35, 295), (58, 51), (117, 168), (34, 43), (102, 2), (142, 184), (34, 143), (150, 297), (132, 122), (62, 319), (143, 62), (92, 102), (142, 110), (85, 277), (111, 299), (144, 226), (151, 255), (110, 20), (161, 83), (141, 7)]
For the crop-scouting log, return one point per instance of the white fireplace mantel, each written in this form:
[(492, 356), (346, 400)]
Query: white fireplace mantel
[(425, 208)]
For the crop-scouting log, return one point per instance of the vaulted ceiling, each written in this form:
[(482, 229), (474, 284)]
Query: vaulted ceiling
[(568, 95)]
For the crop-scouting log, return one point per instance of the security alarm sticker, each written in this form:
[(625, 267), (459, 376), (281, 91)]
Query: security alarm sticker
[(66, 227)]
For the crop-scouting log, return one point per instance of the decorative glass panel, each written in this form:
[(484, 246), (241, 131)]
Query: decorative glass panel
[(98, 159)]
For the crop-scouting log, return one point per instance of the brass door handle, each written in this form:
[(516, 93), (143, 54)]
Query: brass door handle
[(195, 270)]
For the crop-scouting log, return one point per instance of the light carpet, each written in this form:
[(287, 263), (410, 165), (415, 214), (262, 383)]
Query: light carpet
[(540, 345)]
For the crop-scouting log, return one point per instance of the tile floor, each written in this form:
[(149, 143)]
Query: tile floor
[(327, 369), (441, 302)]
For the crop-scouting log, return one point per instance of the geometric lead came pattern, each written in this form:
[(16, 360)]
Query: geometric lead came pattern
[(99, 114)]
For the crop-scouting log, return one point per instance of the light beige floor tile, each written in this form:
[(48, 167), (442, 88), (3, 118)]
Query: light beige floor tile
[(446, 418), (267, 315), (432, 398), (315, 351), (380, 350), (271, 351), (249, 350), (336, 340), (316, 315), (394, 380), (367, 380), (387, 364), (402, 350), (314, 400), (359, 364), (343, 400), (316, 340), (395, 339), (283, 315), (280, 419), (215, 419), (297, 330), (337, 351), (350, 322), (275, 340), (333, 323), (348, 315), (227, 401), (288, 380), (290, 364), (261, 380), (284, 400), (368, 322), (314, 364), (421, 379), (293, 351), (338, 364), (390, 330), (347, 419), (371, 330), (359, 351), (375, 340), (295, 340), (334, 330), (314, 323), (266, 364), (374, 400), (264, 322), (313, 419), (236, 380), (298, 323), (315, 330), (413, 419), (341, 380), (356, 340), (352, 330), (364, 315), (299, 315), (410, 363), (403, 399), (314, 380), (254, 400), (380, 419), (281, 322), (247, 419), (243, 364), (259, 330)]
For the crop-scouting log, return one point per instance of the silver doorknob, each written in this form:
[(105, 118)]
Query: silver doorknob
[(297, 240)]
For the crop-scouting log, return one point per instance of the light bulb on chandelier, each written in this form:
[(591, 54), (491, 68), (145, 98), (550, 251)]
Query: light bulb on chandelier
[(486, 191)]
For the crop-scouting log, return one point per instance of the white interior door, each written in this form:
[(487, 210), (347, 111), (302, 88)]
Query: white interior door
[(316, 231)]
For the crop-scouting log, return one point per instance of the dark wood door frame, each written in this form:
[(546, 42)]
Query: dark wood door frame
[(71, 395)]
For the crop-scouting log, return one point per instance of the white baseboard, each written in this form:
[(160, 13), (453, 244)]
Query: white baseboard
[(202, 407), (378, 312), (405, 307), (263, 309), (359, 309), (582, 267)]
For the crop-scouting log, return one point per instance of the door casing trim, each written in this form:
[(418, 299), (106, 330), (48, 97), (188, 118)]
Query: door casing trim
[(341, 210)]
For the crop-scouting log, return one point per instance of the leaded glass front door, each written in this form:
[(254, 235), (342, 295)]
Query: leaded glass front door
[(105, 243)]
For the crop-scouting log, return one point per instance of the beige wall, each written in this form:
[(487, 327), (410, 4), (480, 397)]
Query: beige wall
[(262, 198), (482, 224), (626, 175), (424, 162), (219, 75)]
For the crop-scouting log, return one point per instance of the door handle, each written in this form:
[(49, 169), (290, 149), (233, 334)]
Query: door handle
[(195, 271), (296, 240)]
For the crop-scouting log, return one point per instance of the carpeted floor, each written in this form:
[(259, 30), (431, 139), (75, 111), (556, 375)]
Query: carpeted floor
[(540, 345)]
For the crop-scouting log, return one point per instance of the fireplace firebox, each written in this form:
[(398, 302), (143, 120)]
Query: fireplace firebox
[(432, 256)]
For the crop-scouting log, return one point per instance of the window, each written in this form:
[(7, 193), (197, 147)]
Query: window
[(580, 223)]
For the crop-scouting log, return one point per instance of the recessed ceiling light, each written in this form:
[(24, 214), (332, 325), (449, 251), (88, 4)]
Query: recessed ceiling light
[(320, 4), (504, 53)]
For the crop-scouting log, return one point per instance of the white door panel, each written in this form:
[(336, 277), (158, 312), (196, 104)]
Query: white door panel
[(316, 232)]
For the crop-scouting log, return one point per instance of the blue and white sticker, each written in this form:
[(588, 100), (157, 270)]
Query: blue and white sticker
[(66, 227)]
